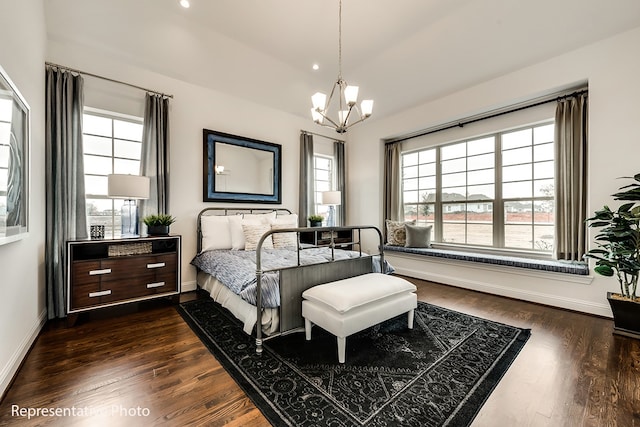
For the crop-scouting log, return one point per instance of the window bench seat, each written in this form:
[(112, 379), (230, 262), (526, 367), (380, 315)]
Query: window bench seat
[(568, 267)]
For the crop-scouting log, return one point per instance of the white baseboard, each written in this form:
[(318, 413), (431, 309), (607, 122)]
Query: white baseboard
[(10, 369), (189, 286), (525, 295)]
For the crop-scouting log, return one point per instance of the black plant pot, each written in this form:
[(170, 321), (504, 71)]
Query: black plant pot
[(626, 316), (315, 223), (157, 230)]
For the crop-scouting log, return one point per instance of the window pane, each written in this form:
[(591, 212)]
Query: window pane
[(127, 130), (481, 192), (480, 234), (513, 190), (95, 185), (410, 159), (454, 180), (516, 173), (97, 165), (457, 165), (427, 169), (6, 106), (453, 232), (322, 175), (516, 139), (322, 163), (96, 145), (96, 125), (543, 238), (410, 196), (410, 184), (4, 179), (5, 131), (481, 162), (427, 156), (543, 212), (4, 156), (410, 172), (481, 177), (127, 149), (481, 146), (543, 134), (453, 151), (428, 182), (454, 194), (428, 196), (518, 236), (410, 212), (543, 152), (543, 170), (322, 186), (131, 167), (518, 212), (543, 188), (518, 156), (426, 212)]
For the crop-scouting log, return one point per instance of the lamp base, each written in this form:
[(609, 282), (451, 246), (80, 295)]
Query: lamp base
[(129, 219), (331, 219)]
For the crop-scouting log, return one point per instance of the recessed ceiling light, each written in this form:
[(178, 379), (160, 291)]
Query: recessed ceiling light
[(184, 3), (316, 67)]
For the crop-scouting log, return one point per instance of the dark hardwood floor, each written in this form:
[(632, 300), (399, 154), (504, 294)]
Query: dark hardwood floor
[(145, 360)]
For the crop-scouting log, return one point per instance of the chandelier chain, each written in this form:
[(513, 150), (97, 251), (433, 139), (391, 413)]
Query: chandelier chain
[(340, 40)]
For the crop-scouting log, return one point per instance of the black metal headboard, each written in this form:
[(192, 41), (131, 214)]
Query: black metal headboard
[(226, 211)]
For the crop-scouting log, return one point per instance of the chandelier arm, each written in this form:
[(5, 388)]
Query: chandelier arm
[(329, 119)]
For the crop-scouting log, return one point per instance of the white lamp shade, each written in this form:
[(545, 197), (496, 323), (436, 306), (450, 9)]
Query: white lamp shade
[(331, 198), (319, 101), (128, 187), (351, 94), (367, 107), (317, 117)]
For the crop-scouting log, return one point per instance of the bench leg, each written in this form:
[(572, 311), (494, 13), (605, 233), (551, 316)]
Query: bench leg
[(410, 320), (342, 344), (307, 329)]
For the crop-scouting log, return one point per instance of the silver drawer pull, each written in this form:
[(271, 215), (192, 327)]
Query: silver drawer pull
[(98, 272), (99, 293), (154, 285), (156, 265)]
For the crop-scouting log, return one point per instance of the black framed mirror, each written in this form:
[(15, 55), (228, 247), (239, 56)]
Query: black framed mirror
[(240, 169)]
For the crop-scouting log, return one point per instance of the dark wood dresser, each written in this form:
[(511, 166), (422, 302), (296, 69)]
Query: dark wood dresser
[(103, 273)]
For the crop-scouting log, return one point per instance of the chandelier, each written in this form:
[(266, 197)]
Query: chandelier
[(347, 98)]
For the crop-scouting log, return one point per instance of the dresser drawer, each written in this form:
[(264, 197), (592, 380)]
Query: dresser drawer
[(89, 295)]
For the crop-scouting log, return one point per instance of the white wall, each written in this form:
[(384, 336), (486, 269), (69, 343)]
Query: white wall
[(22, 289), (612, 70), (192, 109)]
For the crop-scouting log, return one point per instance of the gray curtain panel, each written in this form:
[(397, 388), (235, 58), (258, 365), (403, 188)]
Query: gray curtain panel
[(341, 185), (306, 186), (65, 199), (155, 155), (392, 186), (16, 203), (571, 133)]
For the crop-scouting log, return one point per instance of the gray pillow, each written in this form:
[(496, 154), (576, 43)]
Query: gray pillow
[(418, 236)]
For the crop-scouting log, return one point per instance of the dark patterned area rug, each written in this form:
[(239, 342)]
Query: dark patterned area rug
[(438, 374)]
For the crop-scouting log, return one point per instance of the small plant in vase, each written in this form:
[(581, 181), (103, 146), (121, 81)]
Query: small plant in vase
[(315, 220), (158, 225)]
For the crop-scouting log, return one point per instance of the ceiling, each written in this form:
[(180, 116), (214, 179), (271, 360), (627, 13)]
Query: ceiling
[(400, 52)]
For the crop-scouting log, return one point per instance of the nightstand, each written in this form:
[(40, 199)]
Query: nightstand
[(343, 239), (104, 273)]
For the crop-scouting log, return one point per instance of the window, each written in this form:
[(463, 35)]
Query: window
[(6, 104), (491, 191), (323, 181), (112, 144)]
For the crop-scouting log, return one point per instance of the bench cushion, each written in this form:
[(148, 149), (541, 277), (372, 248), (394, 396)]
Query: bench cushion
[(344, 295)]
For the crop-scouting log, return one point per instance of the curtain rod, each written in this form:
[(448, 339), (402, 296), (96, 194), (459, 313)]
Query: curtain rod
[(322, 136), (487, 115), (62, 67)]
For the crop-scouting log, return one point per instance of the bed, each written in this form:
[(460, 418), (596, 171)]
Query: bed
[(251, 262)]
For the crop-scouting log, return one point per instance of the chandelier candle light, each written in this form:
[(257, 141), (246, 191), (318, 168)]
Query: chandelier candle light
[(347, 98)]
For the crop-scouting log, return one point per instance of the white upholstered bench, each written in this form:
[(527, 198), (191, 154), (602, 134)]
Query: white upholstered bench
[(347, 306)]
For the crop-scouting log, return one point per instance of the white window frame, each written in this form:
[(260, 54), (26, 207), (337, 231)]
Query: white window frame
[(319, 208)]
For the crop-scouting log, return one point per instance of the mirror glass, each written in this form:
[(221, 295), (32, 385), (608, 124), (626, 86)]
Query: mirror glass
[(240, 169), (14, 174)]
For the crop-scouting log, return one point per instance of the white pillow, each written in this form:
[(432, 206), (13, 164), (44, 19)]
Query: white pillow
[(216, 232), (285, 240), (265, 218), (237, 234), (253, 233)]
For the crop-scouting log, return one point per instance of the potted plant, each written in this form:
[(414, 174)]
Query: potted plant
[(618, 253), (158, 225), (315, 220)]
